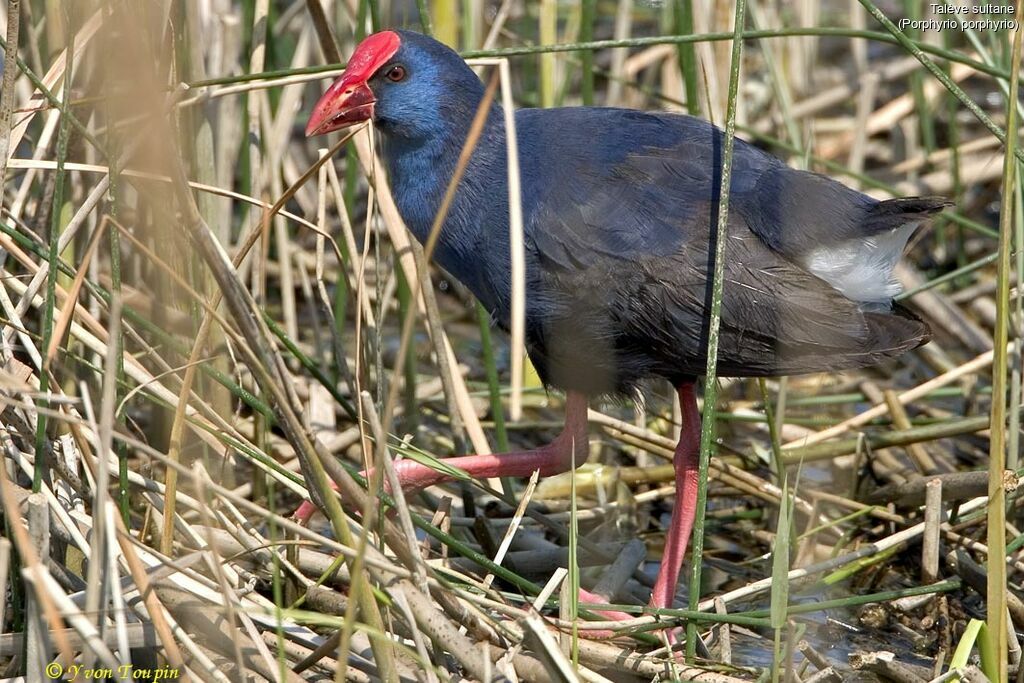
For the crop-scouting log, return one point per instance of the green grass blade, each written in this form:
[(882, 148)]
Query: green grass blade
[(977, 633)]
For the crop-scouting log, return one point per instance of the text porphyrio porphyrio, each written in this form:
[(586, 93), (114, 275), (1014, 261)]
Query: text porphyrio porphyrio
[(618, 209)]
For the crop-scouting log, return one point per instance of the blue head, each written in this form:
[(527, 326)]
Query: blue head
[(423, 97), (411, 86)]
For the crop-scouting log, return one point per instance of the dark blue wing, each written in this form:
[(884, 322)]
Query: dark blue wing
[(619, 237)]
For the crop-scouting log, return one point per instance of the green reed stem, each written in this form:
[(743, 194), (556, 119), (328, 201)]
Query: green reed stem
[(56, 220), (949, 277), (996, 598), (527, 50), (409, 370), (707, 427), (483, 319), (857, 600), (922, 110), (839, 447), (587, 17), (428, 27), (687, 55), (548, 29), (114, 237)]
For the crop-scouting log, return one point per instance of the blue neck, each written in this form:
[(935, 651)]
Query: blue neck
[(421, 167)]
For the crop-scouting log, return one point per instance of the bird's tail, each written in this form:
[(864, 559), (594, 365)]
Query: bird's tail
[(861, 268), (898, 330), (895, 213)]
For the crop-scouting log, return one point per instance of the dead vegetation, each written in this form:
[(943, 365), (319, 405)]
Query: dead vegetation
[(202, 329)]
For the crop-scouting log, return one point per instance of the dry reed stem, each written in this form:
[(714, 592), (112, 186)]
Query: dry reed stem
[(7, 88), (930, 540), (980, 362)]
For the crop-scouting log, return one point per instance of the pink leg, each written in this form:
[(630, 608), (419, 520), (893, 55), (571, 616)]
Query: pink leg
[(556, 457), (686, 462), (553, 458)]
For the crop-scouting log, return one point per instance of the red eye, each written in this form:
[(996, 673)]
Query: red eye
[(396, 73)]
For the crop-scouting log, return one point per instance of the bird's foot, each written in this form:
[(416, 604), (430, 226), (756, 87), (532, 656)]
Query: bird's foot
[(304, 512), (674, 635), (587, 598)]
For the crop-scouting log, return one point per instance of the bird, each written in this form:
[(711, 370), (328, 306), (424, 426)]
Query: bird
[(620, 228)]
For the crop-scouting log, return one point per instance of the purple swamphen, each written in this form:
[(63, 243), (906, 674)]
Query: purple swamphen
[(619, 208)]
